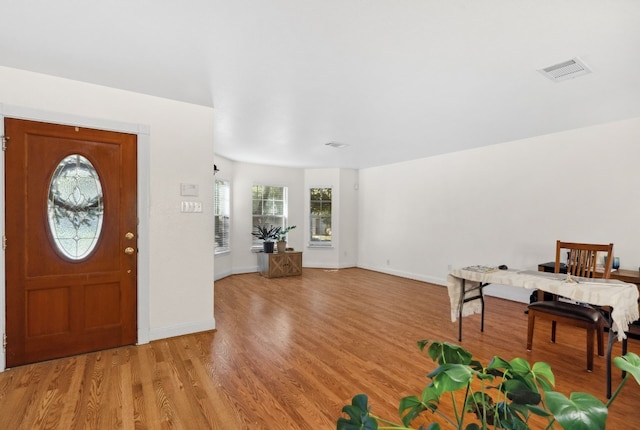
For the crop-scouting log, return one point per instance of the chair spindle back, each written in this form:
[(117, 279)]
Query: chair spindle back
[(582, 259)]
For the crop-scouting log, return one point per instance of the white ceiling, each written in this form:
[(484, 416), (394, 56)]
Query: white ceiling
[(393, 79)]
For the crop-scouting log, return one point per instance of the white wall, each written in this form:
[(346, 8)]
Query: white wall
[(503, 204), (348, 218), (175, 146)]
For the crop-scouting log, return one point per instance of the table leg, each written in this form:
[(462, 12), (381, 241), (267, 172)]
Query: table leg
[(460, 305), (610, 341), (464, 300), (482, 304)]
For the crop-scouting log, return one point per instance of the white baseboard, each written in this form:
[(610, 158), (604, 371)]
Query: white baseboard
[(221, 275), (182, 329), (327, 266), (501, 291), (408, 275)]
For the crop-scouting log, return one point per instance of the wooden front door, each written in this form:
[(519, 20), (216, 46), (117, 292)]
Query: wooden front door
[(71, 240)]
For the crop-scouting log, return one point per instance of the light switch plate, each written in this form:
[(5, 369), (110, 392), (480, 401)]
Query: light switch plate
[(190, 207)]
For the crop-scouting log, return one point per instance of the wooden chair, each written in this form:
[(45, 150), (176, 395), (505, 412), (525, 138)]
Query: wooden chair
[(582, 261)]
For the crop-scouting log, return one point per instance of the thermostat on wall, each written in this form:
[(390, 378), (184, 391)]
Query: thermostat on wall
[(189, 190)]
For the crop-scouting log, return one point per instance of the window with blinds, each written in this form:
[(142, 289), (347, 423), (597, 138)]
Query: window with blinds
[(320, 217), (269, 208), (222, 212)]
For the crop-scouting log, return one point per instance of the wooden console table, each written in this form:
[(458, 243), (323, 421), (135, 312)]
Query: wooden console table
[(276, 265), (630, 276), (625, 275)]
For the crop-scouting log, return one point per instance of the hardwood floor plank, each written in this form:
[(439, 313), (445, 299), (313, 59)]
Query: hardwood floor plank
[(288, 353), (40, 397), (73, 386)]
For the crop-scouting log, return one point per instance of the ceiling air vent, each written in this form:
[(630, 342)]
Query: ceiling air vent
[(337, 145), (566, 70)]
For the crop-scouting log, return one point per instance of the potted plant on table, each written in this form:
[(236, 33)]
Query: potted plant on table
[(268, 234), (282, 238)]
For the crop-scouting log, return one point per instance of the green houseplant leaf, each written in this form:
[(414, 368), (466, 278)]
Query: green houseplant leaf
[(445, 352), (581, 411), (359, 418), (410, 407), (630, 363), (520, 393), (544, 375), (266, 233), (282, 234), (451, 377)]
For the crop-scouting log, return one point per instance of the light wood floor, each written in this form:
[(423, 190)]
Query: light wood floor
[(288, 353)]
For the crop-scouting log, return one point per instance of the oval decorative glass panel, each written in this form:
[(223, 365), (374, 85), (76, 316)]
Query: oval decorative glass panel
[(75, 207)]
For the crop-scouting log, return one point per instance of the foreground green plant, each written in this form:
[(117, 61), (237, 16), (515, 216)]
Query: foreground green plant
[(503, 395)]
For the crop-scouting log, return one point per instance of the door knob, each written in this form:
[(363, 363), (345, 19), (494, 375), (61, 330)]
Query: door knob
[(129, 235), (129, 250)]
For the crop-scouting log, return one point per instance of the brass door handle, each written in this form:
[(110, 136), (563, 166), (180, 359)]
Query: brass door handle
[(129, 250), (129, 235)]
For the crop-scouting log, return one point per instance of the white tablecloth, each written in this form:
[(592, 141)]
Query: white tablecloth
[(621, 296)]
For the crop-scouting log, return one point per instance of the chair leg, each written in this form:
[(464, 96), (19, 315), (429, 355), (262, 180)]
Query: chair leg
[(600, 333), (590, 334), (624, 351), (553, 331), (530, 324)]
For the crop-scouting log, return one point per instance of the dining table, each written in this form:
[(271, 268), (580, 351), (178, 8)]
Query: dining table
[(465, 287)]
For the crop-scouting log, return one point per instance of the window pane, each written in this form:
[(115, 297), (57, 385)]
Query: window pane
[(320, 216), (273, 207), (75, 207), (257, 207), (257, 193), (269, 207), (222, 208), (273, 193), (267, 220), (326, 194)]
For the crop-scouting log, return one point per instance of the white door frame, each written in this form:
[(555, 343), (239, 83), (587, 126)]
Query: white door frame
[(142, 131)]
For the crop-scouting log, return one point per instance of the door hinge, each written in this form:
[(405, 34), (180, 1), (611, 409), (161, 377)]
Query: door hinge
[(4, 242), (4, 341), (4, 142)]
